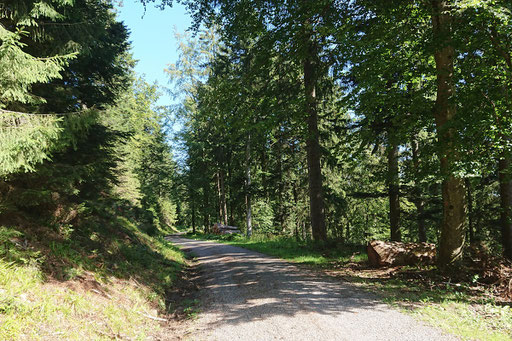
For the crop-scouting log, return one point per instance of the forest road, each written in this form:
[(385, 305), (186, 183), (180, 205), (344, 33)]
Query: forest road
[(246, 295)]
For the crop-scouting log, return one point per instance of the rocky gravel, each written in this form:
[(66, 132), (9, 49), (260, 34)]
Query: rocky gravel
[(246, 295)]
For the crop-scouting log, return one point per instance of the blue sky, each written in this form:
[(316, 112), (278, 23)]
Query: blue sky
[(152, 38)]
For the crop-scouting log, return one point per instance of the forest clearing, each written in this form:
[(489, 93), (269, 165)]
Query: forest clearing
[(334, 169)]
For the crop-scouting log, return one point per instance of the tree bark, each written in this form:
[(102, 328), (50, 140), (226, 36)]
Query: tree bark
[(193, 208), (248, 187), (223, 216), (393, 193), (316, 197), (230, 195), (223, 198), (280, 185), (453, 193), (418, 199), (206, 204), (506, 204), (469, 196)]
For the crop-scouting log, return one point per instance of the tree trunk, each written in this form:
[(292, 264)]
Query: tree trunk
[(206, 214), (219, 201), (316, 197), (223, 217), (347, 232), (418, 200), (393, 193), (454, 210), (280, 185), (230, 194), (223, 198), (506, 204), (193, 208), (205, 184), (248, 186), (471, 229)]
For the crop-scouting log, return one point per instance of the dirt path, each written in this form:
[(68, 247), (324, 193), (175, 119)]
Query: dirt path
[(250, 296)]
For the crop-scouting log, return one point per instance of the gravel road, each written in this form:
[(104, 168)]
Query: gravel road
[(250, 296)]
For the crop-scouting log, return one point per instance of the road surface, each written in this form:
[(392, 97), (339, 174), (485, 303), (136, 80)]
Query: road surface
[(246, 295)]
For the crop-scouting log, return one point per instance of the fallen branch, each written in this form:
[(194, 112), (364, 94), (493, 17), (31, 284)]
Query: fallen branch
[(151, 317), (101, 293)]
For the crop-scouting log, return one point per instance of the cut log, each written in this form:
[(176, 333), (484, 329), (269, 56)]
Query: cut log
[(218, 228), (230, 231), (381, 253)]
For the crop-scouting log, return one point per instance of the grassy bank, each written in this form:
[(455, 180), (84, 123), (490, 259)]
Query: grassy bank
[(467, 308), (100, 279)]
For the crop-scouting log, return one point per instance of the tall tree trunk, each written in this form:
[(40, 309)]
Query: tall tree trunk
[(206, 207), (248, 186), (223, 198), (280, 185), (219, 195), (223, 217), (230, 193), (347, 232), (393, 193), (296, 204), (469, 195), (193, 208), (454, 209), (316, 197), (418, 197), (506, 204), (479, 207)]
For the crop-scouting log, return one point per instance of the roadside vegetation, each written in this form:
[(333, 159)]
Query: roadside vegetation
[(104, 280)]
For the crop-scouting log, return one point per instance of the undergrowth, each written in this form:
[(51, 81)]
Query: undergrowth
[(101, 278)]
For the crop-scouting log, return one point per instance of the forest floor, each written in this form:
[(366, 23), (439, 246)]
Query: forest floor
[(466, 308)]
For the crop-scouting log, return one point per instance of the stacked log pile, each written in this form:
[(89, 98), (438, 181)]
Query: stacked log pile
[(218, 228), (381, 253)]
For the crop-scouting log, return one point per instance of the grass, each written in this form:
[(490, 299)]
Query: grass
[(468, 309), (102, 280), (291, 250)]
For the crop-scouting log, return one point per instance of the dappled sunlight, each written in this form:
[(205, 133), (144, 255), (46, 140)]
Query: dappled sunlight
[(243, 288)]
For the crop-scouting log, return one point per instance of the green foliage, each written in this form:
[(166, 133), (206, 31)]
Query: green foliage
[(146, 169), (26, 140), (29, 139), (19, 70), (376, 84), (263, 217)]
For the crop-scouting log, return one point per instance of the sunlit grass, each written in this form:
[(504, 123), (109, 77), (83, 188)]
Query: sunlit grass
[(102, 295), (461, 319), (289, 249)]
